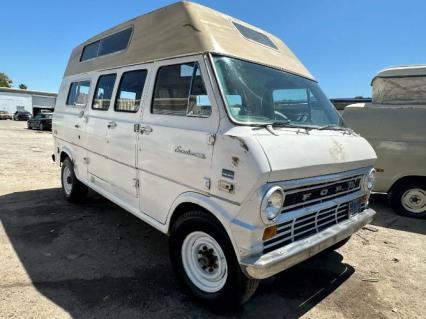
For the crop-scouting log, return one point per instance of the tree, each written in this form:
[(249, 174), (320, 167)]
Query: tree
[(23, 86), (5, 81)]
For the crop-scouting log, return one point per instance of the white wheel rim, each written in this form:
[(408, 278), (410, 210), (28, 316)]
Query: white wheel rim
[(414, 200), (67, 180), (204, 262)]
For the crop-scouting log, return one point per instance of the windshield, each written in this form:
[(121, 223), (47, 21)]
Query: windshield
[(256, 94)]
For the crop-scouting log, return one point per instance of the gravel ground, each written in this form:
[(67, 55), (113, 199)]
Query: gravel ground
[(94, 260)]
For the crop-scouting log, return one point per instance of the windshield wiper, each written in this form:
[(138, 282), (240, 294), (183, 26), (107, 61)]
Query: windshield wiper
[(270, 126), (335, 128)]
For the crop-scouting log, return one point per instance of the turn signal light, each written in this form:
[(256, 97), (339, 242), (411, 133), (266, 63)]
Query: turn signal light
[(269, 232)]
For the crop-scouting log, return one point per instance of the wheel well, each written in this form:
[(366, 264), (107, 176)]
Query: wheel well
[(63, 157), (185, 207), (407, 179)]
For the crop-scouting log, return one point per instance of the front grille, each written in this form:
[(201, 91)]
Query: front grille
[(307, 225), (317, 193)]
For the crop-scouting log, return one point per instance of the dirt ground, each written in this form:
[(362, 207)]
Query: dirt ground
[(94, 260)]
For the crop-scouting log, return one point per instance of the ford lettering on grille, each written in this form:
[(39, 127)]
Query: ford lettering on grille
[(316, 193)]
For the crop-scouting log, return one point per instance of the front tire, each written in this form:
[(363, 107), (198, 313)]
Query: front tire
[(41, 127), (73, 190), (204, 261), (409, 199)]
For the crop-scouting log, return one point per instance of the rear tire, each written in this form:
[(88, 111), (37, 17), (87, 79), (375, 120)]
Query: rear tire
[(41, 127), (409, 199), (204, 261), (73, 190)]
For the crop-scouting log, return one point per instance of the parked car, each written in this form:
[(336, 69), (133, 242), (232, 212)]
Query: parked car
[(22, 116), (212, 131), (395, 125), (41, 121), (4, 115)]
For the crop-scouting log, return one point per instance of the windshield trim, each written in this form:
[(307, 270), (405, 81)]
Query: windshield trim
[(219, 86)]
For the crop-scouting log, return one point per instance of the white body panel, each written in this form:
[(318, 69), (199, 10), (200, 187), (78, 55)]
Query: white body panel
[(161, 156)]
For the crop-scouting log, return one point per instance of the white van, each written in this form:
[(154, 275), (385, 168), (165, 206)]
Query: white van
[(212, 131), (395, 125)]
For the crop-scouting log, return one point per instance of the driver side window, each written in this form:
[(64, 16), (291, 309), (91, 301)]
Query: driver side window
[(180, 91)]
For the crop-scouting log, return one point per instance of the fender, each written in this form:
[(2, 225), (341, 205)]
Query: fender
[(68, 152), (221, 209)]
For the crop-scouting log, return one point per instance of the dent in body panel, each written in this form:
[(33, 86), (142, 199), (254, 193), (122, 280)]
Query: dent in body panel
[(191, 26), (241, 141)]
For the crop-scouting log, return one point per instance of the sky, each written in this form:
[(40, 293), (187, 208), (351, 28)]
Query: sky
[(343, 43)]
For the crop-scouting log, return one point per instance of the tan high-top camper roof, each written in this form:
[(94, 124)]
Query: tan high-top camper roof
[(180, 29)]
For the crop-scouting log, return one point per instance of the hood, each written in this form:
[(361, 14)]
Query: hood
[(294, 154)]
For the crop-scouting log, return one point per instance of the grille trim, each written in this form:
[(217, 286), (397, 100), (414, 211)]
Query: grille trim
[(308, 224)]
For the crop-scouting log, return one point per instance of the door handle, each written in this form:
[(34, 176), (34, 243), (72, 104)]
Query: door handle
[(111, 124), (146, 129), (77, 126)]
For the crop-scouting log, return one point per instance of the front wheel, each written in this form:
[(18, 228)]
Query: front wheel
[(204, 261), (73, 189), (409, 199), (41, 127)]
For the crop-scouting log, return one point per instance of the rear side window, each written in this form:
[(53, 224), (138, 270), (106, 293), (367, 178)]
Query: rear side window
[(129, 92), (90, 51), (103, 92), (180, 91), (255, 35), (113, 43), (78, 94)]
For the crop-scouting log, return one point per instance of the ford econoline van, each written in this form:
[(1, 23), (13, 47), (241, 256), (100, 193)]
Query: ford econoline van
[(213, 132), (395, 125)]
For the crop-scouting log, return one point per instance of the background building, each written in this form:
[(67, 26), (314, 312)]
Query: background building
[(12, 100)]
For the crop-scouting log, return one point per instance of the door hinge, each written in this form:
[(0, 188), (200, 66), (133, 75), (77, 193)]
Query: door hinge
[(207, 182), (136, 182), (211, 138), (137, 128)]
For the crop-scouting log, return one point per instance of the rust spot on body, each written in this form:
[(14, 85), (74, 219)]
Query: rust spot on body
[(242, 143), (235, 161)]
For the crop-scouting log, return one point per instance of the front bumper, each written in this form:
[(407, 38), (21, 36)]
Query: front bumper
[(283, 258)]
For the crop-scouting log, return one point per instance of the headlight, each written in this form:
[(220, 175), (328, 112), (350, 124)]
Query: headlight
[(272, 204), (370, 180)]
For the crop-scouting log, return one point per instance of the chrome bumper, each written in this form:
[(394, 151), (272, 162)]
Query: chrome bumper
[(283, 258)]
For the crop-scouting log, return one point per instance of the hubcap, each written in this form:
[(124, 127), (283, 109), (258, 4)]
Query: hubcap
[(204, 262), (414, 200), (67, 180)]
